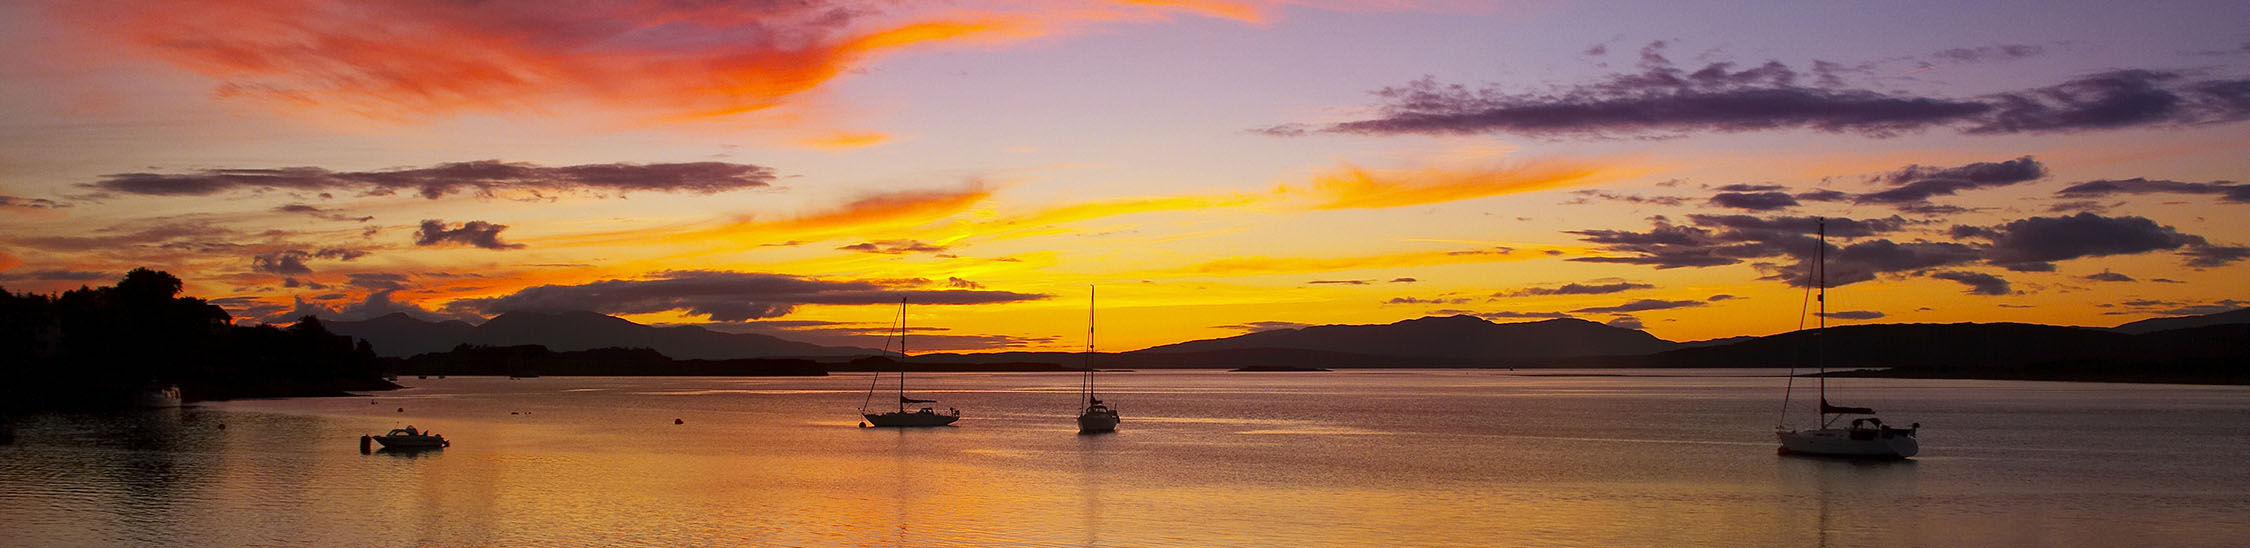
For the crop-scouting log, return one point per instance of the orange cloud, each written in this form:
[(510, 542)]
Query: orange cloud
[(409, 60), (1248, 12), (647, 59), (844, 140), (1353, 187)]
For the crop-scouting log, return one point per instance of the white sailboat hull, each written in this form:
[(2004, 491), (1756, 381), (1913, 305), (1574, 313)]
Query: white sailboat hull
[(1097, 420), (1847, 442), (923, 417)]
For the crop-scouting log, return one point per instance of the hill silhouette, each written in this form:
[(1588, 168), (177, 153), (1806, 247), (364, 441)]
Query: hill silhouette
[(1450, 338), (527, 360), (398, 335), (2152, 325)]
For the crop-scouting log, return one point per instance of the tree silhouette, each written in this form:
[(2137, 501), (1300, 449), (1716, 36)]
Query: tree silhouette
[(97, 347)]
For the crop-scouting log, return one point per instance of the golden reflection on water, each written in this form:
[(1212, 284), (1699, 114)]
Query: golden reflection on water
[(1407, 465)]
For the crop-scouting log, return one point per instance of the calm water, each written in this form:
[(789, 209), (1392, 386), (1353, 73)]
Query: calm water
[(1391, 458)]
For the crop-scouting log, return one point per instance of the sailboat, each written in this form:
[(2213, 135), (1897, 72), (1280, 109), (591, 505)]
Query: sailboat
[(926, 416), (1867, 436), (1095, 416)]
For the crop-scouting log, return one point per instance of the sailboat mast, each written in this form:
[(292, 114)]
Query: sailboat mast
[(1088, 390), (902, 354), (1822, 225)]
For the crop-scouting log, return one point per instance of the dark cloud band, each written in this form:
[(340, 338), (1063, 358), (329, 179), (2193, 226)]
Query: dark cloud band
[(1665, 99), (723, 296)]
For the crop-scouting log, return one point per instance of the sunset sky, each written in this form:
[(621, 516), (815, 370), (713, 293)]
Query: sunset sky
[(1212, 167)]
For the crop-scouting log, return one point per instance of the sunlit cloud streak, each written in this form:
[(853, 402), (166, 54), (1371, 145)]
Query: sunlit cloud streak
[(1353, 187), (482, 178), (1261, 265)]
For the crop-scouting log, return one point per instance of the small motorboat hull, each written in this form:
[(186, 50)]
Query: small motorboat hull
[(924, 417), (1097, 420), (412, 443), (1884, 443), (409, 438)]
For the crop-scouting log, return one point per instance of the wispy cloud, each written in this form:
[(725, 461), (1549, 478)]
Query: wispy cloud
[(1262, 265), (473, 233), (1353, 187), (1599, 287), (722, 296), (481, 178)]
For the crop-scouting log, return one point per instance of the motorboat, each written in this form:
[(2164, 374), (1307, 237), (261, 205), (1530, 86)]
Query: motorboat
[(409, 438)]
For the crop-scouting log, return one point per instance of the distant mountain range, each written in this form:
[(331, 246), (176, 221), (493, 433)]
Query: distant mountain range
[(2153, 325), (398, 335), (1453, 341), (1465, 338)]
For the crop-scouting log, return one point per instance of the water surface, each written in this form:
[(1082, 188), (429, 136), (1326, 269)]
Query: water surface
[(1204, 458)]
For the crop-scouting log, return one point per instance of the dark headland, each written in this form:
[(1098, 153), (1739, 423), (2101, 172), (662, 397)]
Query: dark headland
[(102, 347)]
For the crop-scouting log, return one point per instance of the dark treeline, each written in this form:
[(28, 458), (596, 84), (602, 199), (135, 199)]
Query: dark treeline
[(99, 347), (532, 359)]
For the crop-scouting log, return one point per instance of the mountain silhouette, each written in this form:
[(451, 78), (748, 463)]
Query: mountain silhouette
[(400, 335), (1890, 345), (397, 335), (1466, 338), (2237, 316)]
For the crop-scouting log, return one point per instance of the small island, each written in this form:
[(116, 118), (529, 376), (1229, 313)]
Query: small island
[(1273, 368)]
